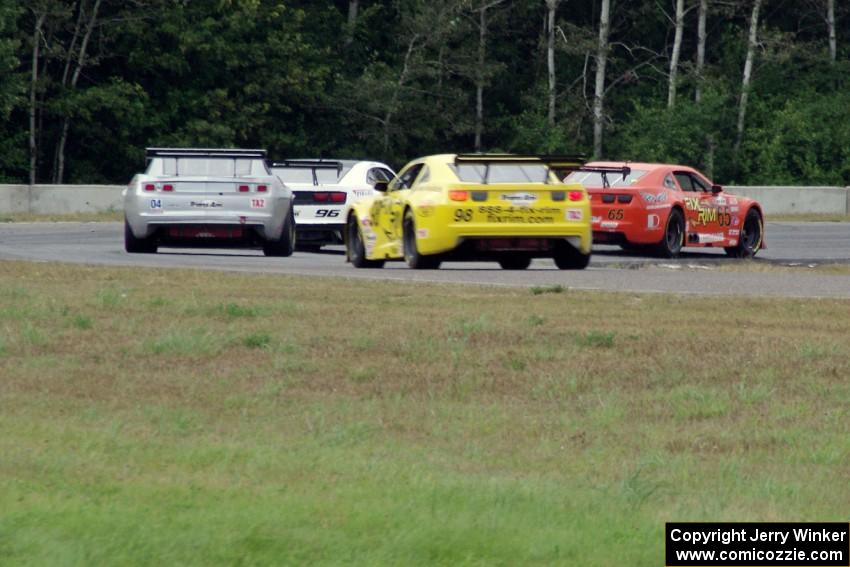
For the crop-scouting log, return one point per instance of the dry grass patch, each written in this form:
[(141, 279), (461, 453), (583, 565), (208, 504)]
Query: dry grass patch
[(165, 416)]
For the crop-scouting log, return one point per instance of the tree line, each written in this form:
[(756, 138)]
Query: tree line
[(750, 91)]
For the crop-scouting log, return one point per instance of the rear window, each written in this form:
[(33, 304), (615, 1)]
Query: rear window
[(501, 173), (212, 167), (597, 179)]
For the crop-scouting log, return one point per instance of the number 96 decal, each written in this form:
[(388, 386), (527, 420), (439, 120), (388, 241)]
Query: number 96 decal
[(327, 213)]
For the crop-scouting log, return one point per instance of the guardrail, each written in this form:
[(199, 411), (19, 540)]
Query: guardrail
[(60, 199), (65, 199)]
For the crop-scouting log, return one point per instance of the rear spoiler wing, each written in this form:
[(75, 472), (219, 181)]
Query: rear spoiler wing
[(309, 164), (625, 171), (558, 164), (203, 152)]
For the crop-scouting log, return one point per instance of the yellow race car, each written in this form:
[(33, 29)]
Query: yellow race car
[(491, 207)]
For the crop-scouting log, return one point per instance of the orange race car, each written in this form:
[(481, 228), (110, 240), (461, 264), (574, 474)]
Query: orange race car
[(661, 208)]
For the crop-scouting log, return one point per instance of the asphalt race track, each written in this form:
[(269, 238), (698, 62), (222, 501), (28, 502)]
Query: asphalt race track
[(803, 246)]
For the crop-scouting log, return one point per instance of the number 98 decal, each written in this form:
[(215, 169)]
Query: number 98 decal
[(327, 213)]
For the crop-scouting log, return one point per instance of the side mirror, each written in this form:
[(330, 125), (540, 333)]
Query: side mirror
[(381, 186), (716, 189)]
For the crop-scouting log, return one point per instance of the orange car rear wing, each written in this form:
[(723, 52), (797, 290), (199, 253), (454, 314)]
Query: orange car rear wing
[(605, 170)]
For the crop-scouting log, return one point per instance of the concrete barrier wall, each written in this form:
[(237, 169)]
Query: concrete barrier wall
[(789, 200), (64, 199), (60, 199)]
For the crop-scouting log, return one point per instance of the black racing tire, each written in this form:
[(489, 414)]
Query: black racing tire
[(285, 245), (569, 258), (751, 237), (674, 235), (412, 256), (135, 245), (515, 262), (354, 247)]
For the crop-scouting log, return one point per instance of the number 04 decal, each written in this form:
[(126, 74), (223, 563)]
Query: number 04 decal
[(258, 203)]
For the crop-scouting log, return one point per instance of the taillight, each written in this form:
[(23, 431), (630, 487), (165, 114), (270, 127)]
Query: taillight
[(149, 186), (320, 197), (576, 195), (168, 187), (338, 197), (458, 195), (244, 188), (262, 188)]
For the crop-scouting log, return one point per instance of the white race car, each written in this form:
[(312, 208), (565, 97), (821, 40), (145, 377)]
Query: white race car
[(323, 192), (199, 197)]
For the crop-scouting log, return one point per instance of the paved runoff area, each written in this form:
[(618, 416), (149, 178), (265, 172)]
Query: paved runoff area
[(802, 246)]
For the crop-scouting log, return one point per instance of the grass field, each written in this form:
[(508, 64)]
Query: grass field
[(156, 417)]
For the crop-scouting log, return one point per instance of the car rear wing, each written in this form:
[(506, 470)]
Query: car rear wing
[(560, 165), (151, 153), (605, 170), (312, 165)]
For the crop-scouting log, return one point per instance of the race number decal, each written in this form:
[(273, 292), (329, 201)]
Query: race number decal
[(156, 204), (258, 203), (327, 213)]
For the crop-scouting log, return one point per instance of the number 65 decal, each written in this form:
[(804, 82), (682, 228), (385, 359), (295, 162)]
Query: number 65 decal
[(327, 213)]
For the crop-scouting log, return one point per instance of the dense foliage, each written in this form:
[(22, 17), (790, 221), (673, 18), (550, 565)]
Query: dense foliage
[(85, 85)]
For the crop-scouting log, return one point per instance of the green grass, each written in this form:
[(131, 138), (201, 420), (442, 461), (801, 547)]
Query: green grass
[(379, 423)]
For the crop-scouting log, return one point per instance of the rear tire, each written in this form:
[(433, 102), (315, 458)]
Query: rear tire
[(674, 235), (515, 262), (412, 256), (355, 249), (751, 237), (568, 258), (285, 245), (135, 245)]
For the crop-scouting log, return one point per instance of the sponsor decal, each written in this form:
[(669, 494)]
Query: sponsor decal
[(733, 242), (243, 220), (362, 192), (595, 219), (733, 201), (735, 221), (575, 214), (207, 204), (721, 201), (426, 209), (711, 238), (609, 224), (653, 221), (366, 221), (421, 233), (657, 207), (733, 209), (733, 232), (296, 213), (653, 197), (521, 198), (258, 203)]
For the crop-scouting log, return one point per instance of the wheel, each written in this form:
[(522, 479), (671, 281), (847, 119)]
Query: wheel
[(285, 245), (751, 237), (412, 256), (674, 235), (135, 245), (568, 258), (355, 249), (515, 262)]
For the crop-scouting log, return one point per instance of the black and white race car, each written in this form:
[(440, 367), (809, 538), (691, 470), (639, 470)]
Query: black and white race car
[(324, 190)]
